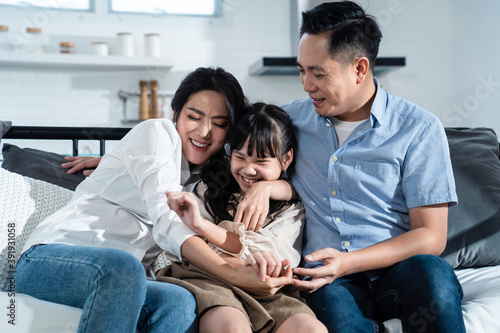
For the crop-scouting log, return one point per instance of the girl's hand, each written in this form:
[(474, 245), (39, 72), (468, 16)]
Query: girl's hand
[(185, 206), (254, 207), (77, 163), (267, 264)]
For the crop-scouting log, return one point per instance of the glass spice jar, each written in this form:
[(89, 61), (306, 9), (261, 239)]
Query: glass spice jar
[(67, 47), (34, 42), (4, 41)]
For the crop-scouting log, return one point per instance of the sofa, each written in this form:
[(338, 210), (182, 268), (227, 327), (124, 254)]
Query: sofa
[(32, 186)]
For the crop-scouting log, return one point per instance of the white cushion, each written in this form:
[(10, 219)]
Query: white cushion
[(24, 202), (37, 316), (481, 298)]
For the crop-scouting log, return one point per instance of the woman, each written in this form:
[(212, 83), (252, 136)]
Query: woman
[(92, 253)]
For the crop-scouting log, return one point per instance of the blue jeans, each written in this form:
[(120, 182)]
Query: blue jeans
[(422, 291), (110, 287)]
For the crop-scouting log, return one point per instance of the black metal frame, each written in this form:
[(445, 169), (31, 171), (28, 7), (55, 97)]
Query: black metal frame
[(74, 134)]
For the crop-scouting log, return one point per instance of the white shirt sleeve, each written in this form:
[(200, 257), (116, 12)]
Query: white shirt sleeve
[(152, 154)]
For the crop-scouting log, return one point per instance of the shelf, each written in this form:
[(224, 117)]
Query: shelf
[(83, 62)]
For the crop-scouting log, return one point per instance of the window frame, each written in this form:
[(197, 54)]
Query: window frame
[(217, 11), (91, 9)]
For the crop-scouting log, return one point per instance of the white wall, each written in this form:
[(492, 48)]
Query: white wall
[(450, 48)]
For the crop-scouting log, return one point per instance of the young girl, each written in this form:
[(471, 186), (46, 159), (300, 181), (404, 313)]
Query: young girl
[(262, 146)]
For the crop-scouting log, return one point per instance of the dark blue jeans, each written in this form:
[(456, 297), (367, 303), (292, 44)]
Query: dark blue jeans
[(110, 287), (422, 291)]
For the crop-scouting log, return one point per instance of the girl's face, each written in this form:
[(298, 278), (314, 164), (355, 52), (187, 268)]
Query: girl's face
[(247, 170), (203, 124)]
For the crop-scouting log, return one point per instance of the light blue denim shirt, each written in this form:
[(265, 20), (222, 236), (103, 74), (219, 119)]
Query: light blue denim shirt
[(359, 194)]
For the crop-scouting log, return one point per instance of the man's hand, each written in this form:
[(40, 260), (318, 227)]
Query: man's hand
[(77, 163), (333, 268), (254, 207)]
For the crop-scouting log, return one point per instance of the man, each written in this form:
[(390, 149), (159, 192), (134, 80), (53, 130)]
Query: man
[(374, 173)]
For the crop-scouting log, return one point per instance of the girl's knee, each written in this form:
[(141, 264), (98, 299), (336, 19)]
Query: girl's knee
[(302, 322)]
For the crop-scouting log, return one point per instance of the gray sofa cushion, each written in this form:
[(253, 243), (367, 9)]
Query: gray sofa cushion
[(474, 224), (39, 164)]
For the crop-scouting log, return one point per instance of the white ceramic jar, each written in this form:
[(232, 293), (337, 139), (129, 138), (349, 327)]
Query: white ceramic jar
[(125, 44), (152, 45), (99, 48)]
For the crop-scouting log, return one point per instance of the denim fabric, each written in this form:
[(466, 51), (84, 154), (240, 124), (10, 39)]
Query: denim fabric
[(422, 291), (109, 285)]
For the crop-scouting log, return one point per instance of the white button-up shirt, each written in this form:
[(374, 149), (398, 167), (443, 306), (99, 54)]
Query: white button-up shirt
[(122, 205)]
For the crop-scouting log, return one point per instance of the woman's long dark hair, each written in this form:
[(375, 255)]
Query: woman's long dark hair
[(270, 131)]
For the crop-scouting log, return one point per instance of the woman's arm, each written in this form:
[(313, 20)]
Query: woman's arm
[(186, 206), (196, 251)]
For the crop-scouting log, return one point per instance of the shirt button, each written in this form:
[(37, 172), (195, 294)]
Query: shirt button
[(347, 244), (334, 193), (327, 124), (337, 219), (334, 158)]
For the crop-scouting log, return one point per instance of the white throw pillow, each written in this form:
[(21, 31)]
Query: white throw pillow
[(24, 203)]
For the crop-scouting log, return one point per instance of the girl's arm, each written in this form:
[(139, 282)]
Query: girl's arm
[(283, 235)]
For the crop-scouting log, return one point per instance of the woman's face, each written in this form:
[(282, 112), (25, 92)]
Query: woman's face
[(203, 124), (249, 169)]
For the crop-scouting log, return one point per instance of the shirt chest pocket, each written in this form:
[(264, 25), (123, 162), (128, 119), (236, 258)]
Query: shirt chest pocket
[(378, 182)]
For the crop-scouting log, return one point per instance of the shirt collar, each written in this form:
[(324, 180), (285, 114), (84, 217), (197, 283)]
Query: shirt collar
[(190, 176), (378, 110)]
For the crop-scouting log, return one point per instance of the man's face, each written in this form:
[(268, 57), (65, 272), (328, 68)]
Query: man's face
[(330, 84)]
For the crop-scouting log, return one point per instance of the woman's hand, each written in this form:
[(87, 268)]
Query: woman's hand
[(184, 204), (77, 163), (247, 280), (267, 264)]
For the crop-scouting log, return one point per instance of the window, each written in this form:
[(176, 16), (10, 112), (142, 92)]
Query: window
[(84, 5), (166, 7)]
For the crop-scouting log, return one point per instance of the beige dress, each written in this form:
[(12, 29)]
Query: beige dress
[(281, 233)]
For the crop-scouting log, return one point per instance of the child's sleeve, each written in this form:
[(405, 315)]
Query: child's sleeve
[(283, 236)]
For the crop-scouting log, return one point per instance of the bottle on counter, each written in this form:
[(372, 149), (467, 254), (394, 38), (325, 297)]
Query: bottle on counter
[(34, 43), (143, 101), (154, 111)]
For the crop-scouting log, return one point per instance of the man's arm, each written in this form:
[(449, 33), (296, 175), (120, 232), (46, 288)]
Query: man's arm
[(254, 208), (427, 236)]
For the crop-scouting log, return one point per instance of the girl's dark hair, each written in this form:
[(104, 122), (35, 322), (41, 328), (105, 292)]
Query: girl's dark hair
[(269, 129), (215, 79), (353, 33)]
